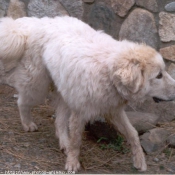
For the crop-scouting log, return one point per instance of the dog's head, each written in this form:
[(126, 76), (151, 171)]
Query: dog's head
[(140, 72)]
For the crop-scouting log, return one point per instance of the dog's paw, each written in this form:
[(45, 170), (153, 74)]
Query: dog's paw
[(72, 165), (139, 162), (30, 127)]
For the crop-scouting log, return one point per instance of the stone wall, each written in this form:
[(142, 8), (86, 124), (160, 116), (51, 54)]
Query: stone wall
[(148, 21)]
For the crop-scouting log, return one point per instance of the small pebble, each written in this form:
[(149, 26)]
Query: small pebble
[(17, 166), (156, 159), (53, 116)]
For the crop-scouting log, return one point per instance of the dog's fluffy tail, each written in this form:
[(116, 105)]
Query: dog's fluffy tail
[(12, 43)]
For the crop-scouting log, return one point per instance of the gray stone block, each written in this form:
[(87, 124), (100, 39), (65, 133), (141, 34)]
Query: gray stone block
[(154, 140), (50, 8), (3, 7), (166, 27), (73, 7), (121, 7), (150, 5), (143, 121), (140, 27), (170, 7)]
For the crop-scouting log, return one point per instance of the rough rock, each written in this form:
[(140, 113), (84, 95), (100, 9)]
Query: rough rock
[(154, 140), (168, 52), (170, 7), (148, 4), (41, 8), (143, 121), (102, 17), (165, 110), (3, 7), (171, 140), (16, 9), (171, 70), (140, 26), (75, 8), (121, 7), (166, 27)]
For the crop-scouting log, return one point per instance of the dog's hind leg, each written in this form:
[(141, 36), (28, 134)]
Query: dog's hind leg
[(123, 125), (62, 124), (25, 106), (30, 94), (76, 127)]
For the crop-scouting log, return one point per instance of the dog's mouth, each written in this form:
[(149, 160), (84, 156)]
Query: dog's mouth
[(157, 100)]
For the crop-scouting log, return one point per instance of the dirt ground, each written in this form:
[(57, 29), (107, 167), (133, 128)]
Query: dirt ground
[(39, 151)]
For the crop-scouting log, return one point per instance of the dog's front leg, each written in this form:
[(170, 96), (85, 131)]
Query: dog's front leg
[(76, 127), (123, 125), (25, 115), (62, 124)]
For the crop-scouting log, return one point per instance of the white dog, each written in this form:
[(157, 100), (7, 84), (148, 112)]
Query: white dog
[(94, 74)]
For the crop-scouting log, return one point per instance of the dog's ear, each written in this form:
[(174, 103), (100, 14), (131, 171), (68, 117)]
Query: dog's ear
[(128, 78)]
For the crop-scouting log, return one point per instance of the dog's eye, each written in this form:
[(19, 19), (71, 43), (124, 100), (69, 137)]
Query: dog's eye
[(159, 76)]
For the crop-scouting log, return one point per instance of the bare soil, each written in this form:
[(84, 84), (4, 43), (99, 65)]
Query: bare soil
[(39, 151)]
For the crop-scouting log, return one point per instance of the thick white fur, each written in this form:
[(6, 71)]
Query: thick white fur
[(94, 74)]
